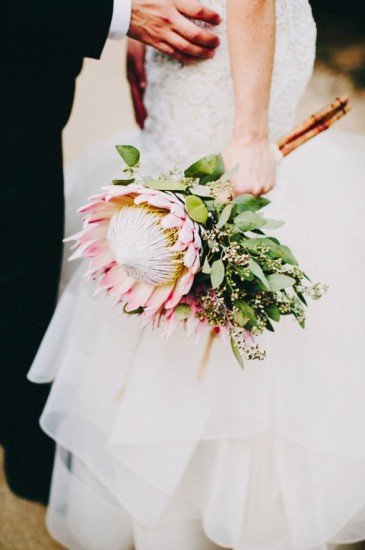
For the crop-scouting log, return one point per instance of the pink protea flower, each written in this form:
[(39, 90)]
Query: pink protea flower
[(143, 247)]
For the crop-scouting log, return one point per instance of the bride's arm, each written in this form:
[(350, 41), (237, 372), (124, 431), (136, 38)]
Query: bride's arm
[(251, 35)]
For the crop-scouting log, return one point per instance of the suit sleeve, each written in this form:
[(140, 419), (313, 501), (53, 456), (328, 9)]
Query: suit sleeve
[(85, 22), (82, 25)]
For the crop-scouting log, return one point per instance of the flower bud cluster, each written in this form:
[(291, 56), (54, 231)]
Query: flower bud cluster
[(248, 351)]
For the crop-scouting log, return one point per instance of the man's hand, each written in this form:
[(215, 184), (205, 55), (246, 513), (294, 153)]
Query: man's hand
[(136, 75), (164, 24)]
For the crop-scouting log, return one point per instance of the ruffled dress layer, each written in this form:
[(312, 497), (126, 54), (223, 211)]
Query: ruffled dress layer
[(272, 457)]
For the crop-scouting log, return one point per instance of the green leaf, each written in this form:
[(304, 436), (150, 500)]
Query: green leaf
[(202, 191), (278, 281), (269, 326), (182, 311), (123, 182), (196, 208), (275, 250), (245, 274), (288, 256), (224, 217), (247, 311), (237, 354), (217, 274), (246, 221), (227, 175), (301, 298), (273, 224), (133, 311), (206, 266), (257, 271), (207, 169), (129, 154), (250, 202), (161, 185), (240, 318), (273, 312)]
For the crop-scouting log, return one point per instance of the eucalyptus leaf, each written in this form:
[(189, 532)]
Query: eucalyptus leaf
[(123, 182), (206, 266), (274, 240), (257, 271), (273, 312), (182, 311), (207, 169), (129, 154), (278, 281), (224, 217), (196, 208), (246, 221), (240, 318), (247, 311), (161, 185), (250, 202), (275, 250), (237, 354), (288, 256), (201, 191), (273, 224), (217, 273), (244, 273), (227, 175)]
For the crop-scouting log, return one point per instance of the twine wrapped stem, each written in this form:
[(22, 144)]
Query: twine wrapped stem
[(314, 125)]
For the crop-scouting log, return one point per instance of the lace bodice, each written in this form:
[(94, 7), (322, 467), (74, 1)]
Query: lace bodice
[(191, 107)]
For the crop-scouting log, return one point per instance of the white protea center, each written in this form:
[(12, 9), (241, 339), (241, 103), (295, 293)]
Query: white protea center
[(143, 247)]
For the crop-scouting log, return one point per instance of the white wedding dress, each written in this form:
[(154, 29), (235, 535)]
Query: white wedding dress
[(268, 458)]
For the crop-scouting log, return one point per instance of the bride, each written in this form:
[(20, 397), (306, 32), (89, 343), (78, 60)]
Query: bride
[(149, 456)]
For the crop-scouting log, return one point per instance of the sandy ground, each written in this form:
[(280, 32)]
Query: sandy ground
[(103, 107)]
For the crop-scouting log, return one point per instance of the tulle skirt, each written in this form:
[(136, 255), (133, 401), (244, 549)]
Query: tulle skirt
[(156, 453)]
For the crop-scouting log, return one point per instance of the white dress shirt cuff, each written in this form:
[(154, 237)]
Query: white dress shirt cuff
[(121, 19)]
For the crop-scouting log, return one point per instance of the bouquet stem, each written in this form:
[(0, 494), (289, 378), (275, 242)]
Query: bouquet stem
[(314, 125)]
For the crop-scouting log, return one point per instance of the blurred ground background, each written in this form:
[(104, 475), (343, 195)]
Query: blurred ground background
[(103, 107)]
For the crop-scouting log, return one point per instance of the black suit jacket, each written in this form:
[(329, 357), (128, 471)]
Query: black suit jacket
[(42, 45)]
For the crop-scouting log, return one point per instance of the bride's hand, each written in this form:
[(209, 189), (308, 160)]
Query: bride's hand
[(257, 164)]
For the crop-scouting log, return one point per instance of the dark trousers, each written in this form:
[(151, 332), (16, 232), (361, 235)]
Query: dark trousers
[(31, 219)]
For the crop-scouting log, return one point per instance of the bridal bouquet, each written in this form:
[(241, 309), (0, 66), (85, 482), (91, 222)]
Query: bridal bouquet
[(168, 249)]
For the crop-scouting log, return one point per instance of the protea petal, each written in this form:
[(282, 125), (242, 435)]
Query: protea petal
[(186, 234), (191, 324), (117, 280), (170, 221), (159, 297), (182, 287), (190, 255), (101, 262), (144, 250)]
